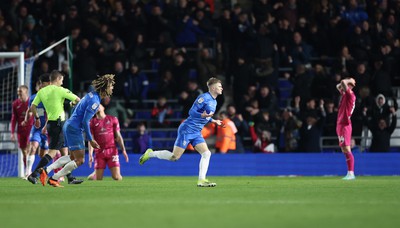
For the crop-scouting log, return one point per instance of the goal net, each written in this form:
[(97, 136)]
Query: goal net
[(16, 70)]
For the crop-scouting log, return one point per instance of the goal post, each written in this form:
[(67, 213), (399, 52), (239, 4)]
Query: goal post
[(16, 70)]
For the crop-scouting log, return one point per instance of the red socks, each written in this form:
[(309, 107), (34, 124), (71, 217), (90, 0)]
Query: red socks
[(349, 161)]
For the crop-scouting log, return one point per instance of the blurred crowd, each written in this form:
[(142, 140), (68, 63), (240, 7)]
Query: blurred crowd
[(252, 45)]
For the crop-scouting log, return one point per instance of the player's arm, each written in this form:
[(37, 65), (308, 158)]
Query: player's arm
[(89, 113), (90, 148), (343, 84), (36, 115), (13, 122), (33, 109), (120, 141), (70, 96), (339, 87)]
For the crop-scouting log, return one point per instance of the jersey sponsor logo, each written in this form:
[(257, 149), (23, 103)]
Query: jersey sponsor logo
[(94, 106), (200, 100), (97, 124)]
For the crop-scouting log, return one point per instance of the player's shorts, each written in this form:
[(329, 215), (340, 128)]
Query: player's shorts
[(344, 134), (23, 138), (184, 138), (107, 157), (73, 137), (56, 136), (37, 136)]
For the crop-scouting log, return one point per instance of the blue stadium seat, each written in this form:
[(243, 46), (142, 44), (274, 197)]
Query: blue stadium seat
[(143, 115), (159, 134)]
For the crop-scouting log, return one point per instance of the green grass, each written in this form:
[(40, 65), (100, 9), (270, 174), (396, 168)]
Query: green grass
[(176, 202)]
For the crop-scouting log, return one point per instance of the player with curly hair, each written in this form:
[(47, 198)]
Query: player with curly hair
[(74, 128)]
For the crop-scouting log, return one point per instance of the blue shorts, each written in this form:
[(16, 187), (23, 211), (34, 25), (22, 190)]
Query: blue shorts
[(37, 136), (185, 138), (73, 137)]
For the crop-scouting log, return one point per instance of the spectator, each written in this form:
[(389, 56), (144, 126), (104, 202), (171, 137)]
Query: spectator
[(288, 126), (114, 108), (142, 139), (205, 66), (241, 126), (381, 132), (261, 140), (136, 85), (226, 134), (330, 123), (161, 111), (188, 96), (243, 76), (311, 131)]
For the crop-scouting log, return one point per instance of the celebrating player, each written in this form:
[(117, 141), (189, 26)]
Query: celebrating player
[(52, 97), (19, 107), (343, 127), (105, 130), (74, 128), (190, 132)]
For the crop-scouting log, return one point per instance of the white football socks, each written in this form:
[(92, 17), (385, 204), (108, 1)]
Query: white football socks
[(203, 164), (66, 170), (161, 154), (59, 163), (29, 163)]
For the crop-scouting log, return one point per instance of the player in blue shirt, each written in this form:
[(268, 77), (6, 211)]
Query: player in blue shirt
[(75, 126), (190, 132)]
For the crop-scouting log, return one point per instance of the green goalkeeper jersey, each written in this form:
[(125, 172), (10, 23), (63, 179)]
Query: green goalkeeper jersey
[(53, 97)]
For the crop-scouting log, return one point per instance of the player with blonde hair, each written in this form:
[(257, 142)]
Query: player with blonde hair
[(190, 132)]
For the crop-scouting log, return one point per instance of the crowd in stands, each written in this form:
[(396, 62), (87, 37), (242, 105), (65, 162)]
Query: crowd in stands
[(167, 49)]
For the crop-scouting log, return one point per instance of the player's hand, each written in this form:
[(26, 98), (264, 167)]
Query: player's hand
[(13, 137), (94, 144), (23, 123), (90, 161), (125, 156), (205, 115), (219, 123), (44, 130), (37, 123)]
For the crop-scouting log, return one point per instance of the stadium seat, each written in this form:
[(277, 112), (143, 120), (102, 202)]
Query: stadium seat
[(143, 115)]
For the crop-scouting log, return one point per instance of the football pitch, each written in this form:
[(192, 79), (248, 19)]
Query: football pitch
[(176, 202)]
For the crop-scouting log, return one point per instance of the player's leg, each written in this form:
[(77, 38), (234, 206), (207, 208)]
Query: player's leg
[(179, 147), (55, 143), (76, 145), (100, 162), (23, 143), (77, 159), (205, 153), (345, 145), (116, 173), (113, 163), (31, 157), (92, 176), (99, 174)]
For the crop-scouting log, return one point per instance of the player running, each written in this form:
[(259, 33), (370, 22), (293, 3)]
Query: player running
[(343, 127), (105, 130), (74, 128), (190, 132)]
